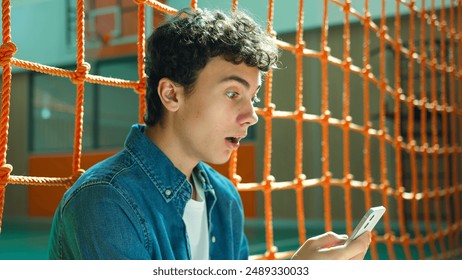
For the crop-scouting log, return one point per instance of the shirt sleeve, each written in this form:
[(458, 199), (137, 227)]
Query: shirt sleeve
[(98, 222), (244, 250)]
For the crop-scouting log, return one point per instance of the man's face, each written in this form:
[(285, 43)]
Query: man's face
[(213, 118)]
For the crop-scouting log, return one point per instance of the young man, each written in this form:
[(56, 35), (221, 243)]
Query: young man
[(157, 199)]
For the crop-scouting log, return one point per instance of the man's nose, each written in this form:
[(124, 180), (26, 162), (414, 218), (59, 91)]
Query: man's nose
[(249, 116)]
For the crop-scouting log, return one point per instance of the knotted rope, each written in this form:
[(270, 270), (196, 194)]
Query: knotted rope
[(7, 51), (5, 171)]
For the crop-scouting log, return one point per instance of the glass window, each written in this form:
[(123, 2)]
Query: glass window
[(109, 111), (117, 107), (53, 114)]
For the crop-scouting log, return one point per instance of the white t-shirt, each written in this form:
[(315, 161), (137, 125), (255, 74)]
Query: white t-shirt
[(195, 219)]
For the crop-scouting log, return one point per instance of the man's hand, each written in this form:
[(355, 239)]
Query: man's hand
[(330, 246)]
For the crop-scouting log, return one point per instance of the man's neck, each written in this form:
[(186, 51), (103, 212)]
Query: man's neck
[(166, 142)]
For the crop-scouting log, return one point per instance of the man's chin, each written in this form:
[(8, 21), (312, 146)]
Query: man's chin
[(219, 161)]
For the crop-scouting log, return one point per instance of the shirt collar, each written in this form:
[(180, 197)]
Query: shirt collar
[(164, 175)]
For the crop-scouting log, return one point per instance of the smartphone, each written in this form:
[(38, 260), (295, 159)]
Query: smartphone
[(367, 223)]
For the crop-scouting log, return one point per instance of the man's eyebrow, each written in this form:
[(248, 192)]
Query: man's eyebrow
[(240, 80)]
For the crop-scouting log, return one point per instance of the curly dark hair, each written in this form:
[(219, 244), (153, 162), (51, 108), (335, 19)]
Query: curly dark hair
[(182, 46)]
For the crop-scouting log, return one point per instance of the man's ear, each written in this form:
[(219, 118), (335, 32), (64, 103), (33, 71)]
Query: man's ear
[(168, 93)]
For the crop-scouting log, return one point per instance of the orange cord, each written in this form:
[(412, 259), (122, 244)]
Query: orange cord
[(7, 51), (141, 87)]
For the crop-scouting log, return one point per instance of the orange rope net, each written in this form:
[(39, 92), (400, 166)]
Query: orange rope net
[(435, 60)]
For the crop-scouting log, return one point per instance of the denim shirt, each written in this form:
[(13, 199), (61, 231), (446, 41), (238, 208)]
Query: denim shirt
[(130, 206)]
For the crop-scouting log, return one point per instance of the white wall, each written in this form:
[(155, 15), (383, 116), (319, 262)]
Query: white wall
[(39, 31), (39, 26), (286, 11)]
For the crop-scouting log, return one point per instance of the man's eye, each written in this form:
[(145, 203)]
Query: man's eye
[(231, 94), (255, 100)]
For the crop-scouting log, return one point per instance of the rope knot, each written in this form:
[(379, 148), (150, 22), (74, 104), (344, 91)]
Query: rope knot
[(76, 176), (5, 171), (81, 73), (141, 86), (7, 51)]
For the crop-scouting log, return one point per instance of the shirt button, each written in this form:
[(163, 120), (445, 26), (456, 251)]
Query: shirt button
[(168, 192), (213, 239)]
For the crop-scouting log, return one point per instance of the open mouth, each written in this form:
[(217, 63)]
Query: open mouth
[(234, 140)]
